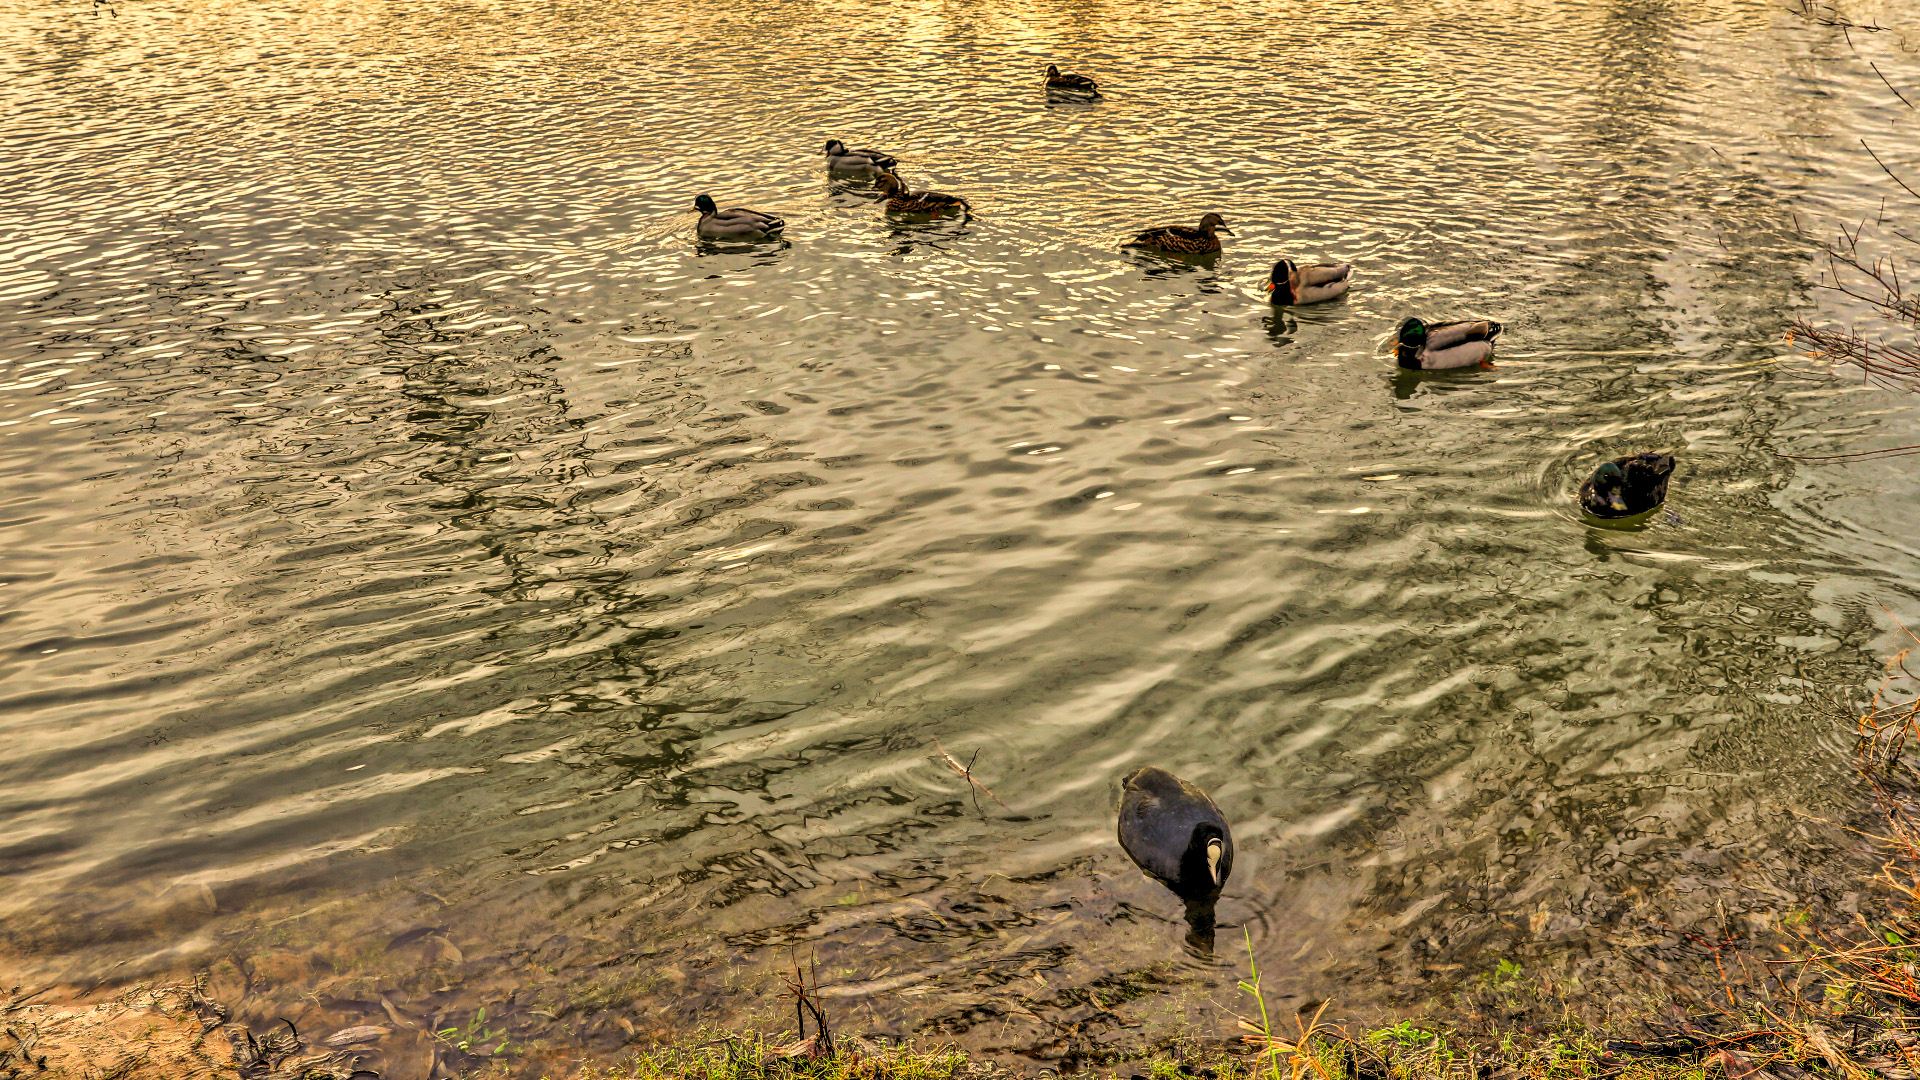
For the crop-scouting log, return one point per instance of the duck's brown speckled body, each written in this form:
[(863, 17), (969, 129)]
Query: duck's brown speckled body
[(901, 201), (1183, 240)]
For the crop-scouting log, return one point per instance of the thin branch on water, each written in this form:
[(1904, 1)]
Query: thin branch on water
[(1889, 172), (1890, 86), (966, 773)]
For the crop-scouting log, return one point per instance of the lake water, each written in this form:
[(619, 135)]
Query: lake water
[(428, 573)]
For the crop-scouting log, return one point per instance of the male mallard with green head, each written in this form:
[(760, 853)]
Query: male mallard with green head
[(734, 224), (864, 162), (1070, 84), (1438, 346), (1627, 486), (1182, 240), (902, 201), (1291, 283)]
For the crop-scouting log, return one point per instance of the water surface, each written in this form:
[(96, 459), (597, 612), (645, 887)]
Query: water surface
[(412, 534)]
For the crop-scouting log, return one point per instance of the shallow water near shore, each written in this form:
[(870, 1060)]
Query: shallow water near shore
[(432, 579)]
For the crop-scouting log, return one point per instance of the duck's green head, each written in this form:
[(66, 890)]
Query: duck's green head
[(835, 147), (704, 204), (1610, 481), (1413, 333)]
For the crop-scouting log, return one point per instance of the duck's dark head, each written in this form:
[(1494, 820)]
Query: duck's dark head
[(1413, 334), (1215, 223), (1280, 282), (1053, 71), (1207, 863), (1609, 486), (704, 204), (835, 147), (889, 184)]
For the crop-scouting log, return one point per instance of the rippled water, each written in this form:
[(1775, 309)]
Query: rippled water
[(412, 534)]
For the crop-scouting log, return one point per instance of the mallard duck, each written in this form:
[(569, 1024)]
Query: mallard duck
[(841, 159), (1185, 241), (734, 224), (902, 201), (1070, 84), (1172, 830), (1437, 346), (1627, 486), (1292, 283)]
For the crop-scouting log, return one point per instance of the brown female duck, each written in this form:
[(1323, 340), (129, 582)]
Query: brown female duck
[(1182, 240), (901, 201), (1070, 84)]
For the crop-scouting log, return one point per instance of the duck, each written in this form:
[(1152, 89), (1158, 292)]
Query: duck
[(1438, 346), (734, 224), (902, 201), (1291, 283), (841, 159), (1627, 486), (1182, 240), (1174, 832), (1071, 84)]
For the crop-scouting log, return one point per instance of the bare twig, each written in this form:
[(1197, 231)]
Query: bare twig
[(806, 1002), (1890, 86), (966, 772), (1889, 172)]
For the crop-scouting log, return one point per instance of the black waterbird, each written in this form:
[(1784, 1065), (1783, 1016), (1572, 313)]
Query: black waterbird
[(1175, 833)]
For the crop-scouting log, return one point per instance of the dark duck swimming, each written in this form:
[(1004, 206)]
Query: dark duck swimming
[(1070, 83), (1175, 833), (1627, 486), (901, 201), (1183, 240)]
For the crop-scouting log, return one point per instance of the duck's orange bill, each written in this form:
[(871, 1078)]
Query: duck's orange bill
[(1269, 286)]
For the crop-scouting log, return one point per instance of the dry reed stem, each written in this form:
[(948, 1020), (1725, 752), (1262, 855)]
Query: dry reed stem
[(966, 773)]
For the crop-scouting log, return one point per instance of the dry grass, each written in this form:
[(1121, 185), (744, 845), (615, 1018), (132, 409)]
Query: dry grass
[(757, 1058)]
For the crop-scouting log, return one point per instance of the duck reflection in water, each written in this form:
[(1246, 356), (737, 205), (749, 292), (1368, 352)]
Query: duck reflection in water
[(1174, 832), (1281, 326)]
